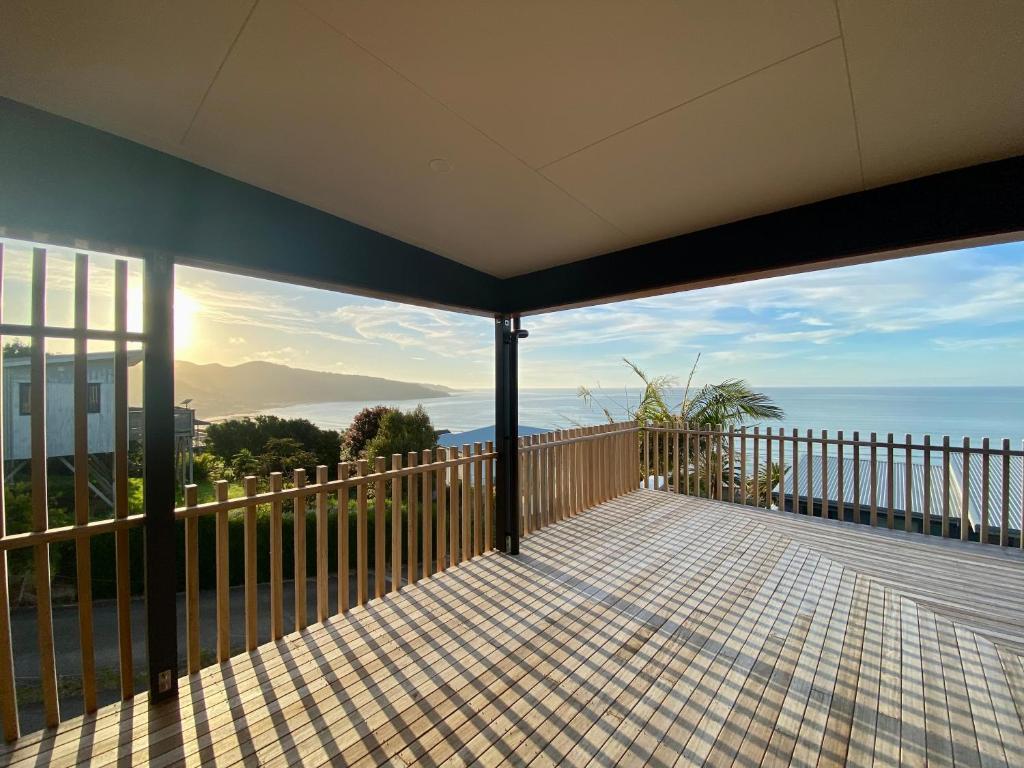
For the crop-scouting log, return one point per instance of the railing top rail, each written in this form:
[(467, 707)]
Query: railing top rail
[(312, 489), (792, 434)]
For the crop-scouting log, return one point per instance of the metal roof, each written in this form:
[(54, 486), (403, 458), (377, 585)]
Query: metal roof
[(899, 501)]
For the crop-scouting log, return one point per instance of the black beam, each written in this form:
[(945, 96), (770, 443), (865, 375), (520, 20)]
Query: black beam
[(64, 183), (158, 490), (982, 201), (506, 432)]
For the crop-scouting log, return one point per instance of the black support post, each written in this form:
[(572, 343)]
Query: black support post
[(158, 391), (506, 431)]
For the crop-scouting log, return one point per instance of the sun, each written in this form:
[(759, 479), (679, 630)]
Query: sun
[(186, 308)]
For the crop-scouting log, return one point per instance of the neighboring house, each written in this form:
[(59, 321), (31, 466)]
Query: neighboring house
[(60, 408), (783, 493)]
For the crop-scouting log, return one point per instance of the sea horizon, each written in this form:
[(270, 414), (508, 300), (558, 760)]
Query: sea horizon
[(993, 411)]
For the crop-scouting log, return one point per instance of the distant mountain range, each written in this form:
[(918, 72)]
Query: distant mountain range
[(221, 390)]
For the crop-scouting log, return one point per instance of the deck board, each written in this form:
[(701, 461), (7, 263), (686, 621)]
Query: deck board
[(653, 628)]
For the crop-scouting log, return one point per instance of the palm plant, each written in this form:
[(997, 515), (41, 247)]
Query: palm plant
[(728, 404)]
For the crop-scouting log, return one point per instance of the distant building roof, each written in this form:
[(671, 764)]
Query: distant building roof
[(899, 501), (481, 435)]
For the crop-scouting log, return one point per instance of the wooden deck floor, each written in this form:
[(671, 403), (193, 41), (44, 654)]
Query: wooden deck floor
[(653, 629)]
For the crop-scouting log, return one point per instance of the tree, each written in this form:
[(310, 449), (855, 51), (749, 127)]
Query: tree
[(244, 463), (285, 454), (363, 429), (225, 439), (17, 348), (729, 404), (401, 433)]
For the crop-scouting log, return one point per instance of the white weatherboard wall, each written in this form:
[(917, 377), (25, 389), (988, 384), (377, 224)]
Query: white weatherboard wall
[(60, 414)]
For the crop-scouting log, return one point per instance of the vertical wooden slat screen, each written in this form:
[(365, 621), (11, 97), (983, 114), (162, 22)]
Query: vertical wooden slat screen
[(299, 549), (83, 545), (122, 550), (223, 591), (8, 699), (251, 555), (488, 491), (40, 512)]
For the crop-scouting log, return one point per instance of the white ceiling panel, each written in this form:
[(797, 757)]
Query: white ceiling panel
[(546, 78), (137, 69), (358, 141), (779, 138), (937, 84)]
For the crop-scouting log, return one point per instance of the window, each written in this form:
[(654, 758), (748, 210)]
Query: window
[(25, 398), (92, 399)]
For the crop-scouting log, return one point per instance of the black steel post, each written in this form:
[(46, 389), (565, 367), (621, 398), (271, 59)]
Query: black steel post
[(506, 432), (158, 393)]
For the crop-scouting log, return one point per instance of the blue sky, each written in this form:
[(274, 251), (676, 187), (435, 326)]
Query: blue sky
[(949, 318)]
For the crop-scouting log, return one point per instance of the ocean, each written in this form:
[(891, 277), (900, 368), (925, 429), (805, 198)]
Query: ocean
[(975, 412)]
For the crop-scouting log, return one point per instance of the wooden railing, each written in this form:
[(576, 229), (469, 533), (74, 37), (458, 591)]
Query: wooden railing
[(409, 519), (970, 492), (562, 473)]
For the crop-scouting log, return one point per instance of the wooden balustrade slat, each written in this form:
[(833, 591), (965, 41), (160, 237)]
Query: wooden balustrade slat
[(795, 474), (362, 566), (412, 524), (442, 513), (856, 477), (965, 494), (344, 558), (380, 567), (396, 525), (908, 486), (465, 507), (1004, 511), (477, 490), (890, 479), (945, 486), (926, 511), (223, 593), (488, 468), (192, 653), (276, 559), (983, 531), (299, 549), (428, 518), (322, 563), (453, 511), (874, 479), (251, 552), (810, 474), (825, 502), (840, 477)]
